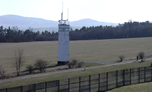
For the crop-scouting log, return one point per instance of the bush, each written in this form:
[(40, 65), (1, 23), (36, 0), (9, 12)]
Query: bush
[(41, 65), (30, 68), (2, 73), (141, 55), (80, 64), (121, 58), (75, 63)]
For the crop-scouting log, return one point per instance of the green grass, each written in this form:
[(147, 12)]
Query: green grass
[(89, 50), (143, 87), (72, 74)]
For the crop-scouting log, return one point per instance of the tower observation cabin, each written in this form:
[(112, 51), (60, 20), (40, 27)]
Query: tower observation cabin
[(63, 41)]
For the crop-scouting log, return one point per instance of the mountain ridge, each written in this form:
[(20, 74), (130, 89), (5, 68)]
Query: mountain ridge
[(39, 23)]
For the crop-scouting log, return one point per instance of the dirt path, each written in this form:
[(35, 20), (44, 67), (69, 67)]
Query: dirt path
[(105, 63), (65, 71)]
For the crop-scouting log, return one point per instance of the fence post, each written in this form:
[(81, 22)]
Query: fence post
[(6, 90), (123, 77), (34, 87), (139, 75), (144, 74), (89, 83), (130, 76), (58, 85), (79, 84), (151, 73), (99, 82), (45, 86), (21, 88), (107, 81), (68, 85), (116, 78)]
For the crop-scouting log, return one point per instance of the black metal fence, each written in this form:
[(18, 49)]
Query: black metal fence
[(92, 83)]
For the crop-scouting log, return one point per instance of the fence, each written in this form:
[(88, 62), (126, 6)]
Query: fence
[(92, 83)]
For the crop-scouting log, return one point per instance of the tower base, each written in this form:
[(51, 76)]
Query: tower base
[(63, 62)]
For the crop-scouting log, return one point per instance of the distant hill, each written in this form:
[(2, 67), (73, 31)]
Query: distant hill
[(43, 24), (91, 22)]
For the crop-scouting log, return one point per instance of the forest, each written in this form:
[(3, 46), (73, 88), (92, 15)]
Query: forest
[(126, 30)]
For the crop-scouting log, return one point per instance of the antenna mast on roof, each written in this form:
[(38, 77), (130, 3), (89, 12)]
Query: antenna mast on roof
[(68, 15), (62, 21), (62, 12)]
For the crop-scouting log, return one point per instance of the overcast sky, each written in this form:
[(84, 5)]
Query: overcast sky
[(117, 11)]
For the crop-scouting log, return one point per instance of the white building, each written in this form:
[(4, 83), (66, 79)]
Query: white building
[(63, 41)]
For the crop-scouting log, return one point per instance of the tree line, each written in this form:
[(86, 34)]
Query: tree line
[(15, 35), (126, 30)]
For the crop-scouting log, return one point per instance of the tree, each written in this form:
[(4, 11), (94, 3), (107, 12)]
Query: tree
[(121, 58), (41, 65), (19, 60)]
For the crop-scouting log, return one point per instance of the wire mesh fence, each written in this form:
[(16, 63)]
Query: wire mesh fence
[(91, 83)]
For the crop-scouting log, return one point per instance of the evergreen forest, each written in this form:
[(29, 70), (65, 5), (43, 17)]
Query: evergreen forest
[(126, 30)]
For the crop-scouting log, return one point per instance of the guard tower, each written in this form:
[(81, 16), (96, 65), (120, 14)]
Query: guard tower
[(63, 41)]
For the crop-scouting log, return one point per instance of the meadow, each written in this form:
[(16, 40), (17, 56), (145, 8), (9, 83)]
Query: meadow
[(89, 50), (86, 50)]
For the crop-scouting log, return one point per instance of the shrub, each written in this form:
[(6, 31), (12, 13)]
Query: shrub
[(2, 73), (41, 65), (121, 58), (141, 55), (75, 63), (30, 68), (80, 64)]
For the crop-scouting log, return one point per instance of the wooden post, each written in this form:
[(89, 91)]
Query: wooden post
[(58, 85), (151, 73), (130, 76), (45, 86), (68, 85), (116, 78), (34, 87), (144, 74), (139, 75), (89, 83), (107, 81), (79, 84), (99, 82), (6, 90), (21, 88), (123, 77)]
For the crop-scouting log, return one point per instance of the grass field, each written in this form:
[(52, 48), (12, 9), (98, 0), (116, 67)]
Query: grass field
[(89, 50), (65, 76), (92, 50), (143, 87)]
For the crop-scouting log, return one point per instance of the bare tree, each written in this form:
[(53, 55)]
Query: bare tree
[(121, 58), (19, 60), (41, 65)]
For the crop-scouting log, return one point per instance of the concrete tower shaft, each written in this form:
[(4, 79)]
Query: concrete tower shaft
[(63, 41)]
